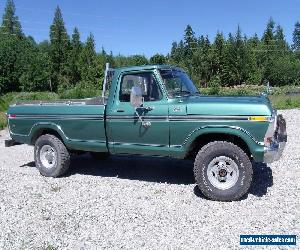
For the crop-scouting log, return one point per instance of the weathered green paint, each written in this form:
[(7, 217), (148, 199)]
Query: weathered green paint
[(175, 123)]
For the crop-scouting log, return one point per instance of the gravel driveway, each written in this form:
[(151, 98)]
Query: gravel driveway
[(134, 203)]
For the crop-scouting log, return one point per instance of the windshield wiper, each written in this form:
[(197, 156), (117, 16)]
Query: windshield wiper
[(185, 92), (182, 92)]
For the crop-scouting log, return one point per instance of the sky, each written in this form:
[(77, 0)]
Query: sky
[(148, 27)]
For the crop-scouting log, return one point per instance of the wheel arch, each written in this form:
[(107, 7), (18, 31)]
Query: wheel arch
[(235, 135), (49, 128)]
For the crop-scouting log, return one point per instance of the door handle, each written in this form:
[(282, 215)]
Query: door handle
[(146, 124), (148, 108), (120, 110)]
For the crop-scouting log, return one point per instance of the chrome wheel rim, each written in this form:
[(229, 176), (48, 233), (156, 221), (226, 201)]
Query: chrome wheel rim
[(48, 156), (223, 172)]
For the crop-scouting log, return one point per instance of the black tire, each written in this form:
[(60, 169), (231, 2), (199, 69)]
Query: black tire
[(62, 162), (210, 152), (99, 155)]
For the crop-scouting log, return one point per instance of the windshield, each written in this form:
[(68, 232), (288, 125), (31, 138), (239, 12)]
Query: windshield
[(178, 83)]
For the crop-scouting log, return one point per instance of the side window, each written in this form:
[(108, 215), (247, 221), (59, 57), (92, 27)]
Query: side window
[(147, 82)]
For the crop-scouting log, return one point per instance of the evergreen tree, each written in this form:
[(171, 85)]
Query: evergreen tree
[(296, 37), (189, 37), (9, 68), (10, 22), (268, 49), (254, 48), (158, 59), (281, 44), (138, 60), (88, 63), (36, 68), (59, 49), (268, 36), (254, 41), (73, 59), (174, 54), (177, 53), (200, 66), (217, 57), (75, 41)]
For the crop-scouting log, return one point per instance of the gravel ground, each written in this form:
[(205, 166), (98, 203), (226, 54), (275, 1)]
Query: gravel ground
[(134, 203)]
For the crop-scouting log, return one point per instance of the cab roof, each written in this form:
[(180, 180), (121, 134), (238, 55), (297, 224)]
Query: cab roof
[(146, 67)]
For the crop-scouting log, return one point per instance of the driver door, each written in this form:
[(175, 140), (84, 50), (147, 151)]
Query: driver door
[(145, 130)]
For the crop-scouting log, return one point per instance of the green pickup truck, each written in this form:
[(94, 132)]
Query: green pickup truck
[(156, 110)]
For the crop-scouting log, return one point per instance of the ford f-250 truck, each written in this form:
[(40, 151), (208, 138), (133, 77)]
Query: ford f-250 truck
[(156, 110)]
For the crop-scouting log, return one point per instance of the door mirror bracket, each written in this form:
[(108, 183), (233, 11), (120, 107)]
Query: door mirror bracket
[(137, 101)]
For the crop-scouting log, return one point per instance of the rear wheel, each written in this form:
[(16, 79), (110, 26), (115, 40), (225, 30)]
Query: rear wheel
[(223, 171), (51, 156)]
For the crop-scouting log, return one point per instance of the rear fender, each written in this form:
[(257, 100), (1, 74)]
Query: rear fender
[(36, 128)]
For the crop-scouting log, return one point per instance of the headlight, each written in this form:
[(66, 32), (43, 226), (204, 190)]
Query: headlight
[(269, 137)]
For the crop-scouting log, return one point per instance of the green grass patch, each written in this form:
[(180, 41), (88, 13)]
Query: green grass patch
[(280, 96), (3, 121), (49, 247), (248, 90), (285, 102)]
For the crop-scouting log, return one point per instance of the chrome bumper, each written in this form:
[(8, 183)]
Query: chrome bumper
[(274, 151)]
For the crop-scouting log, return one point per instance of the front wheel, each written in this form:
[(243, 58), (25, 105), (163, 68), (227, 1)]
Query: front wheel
[(51, 156), (223, 171)]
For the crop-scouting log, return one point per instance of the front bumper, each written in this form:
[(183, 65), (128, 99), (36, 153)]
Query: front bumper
[(275, 150)]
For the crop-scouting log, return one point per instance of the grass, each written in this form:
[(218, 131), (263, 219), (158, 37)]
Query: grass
[(285, 102), (279, 95), (248, 90), (49, 247), (3, 122)]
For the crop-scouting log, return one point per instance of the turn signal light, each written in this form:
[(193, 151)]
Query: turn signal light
[(259, 118)]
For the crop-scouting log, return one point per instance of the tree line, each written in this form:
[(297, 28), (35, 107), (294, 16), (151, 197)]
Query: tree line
[(239, 59), (64, 61)]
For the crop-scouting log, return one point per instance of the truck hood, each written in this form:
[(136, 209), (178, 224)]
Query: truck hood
[(228, 105)]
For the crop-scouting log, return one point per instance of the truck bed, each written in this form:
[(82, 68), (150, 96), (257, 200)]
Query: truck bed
[(79, 123), (89, 101)]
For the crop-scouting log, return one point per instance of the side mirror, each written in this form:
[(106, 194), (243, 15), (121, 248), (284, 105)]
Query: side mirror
[(136, 97)]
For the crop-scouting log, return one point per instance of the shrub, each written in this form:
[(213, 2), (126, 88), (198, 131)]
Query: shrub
[(13, 97), (80, 91)]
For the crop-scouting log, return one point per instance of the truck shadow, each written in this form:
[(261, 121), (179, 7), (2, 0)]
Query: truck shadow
[(150, 169), (159, 170), (162, 170)]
